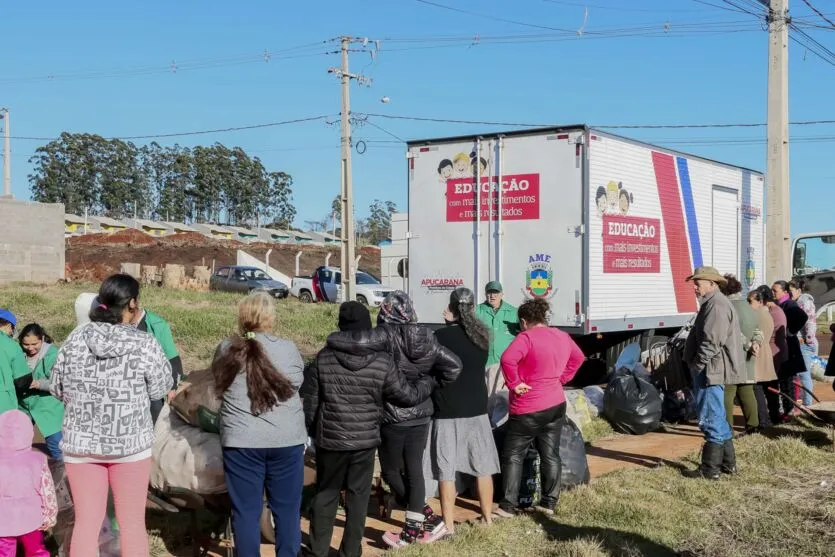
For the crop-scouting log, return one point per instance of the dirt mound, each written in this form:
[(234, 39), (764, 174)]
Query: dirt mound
[(96, 256), (130, 237)]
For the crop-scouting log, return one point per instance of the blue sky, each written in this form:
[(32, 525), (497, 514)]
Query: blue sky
[(112, 67)]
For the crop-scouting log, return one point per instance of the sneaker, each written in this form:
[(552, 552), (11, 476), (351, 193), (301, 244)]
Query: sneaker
[(439, 532), (432, 523), (404, 539)]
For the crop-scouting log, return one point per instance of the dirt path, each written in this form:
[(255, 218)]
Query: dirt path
[(604, 456)]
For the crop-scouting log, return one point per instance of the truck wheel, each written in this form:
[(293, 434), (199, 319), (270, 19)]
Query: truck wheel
[(362, 299), (305, 297), (267, 525)]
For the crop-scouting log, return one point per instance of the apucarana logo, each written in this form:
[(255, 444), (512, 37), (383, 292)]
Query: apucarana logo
[(441, 284)]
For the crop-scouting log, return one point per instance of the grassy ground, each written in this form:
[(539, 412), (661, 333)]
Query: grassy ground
[(781, 504), (199, 320)]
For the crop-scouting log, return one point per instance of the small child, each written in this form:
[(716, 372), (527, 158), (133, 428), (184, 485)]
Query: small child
[(27, 495)]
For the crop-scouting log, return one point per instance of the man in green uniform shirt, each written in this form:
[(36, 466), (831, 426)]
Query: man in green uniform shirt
[(12, 361), (503, 321)]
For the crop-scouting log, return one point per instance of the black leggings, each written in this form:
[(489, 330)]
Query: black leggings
[(401, 461)]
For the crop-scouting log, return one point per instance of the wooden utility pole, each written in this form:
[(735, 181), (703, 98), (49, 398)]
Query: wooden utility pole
[(778, 217)]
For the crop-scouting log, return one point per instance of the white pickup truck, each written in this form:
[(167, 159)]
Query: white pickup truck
[(325, 286)]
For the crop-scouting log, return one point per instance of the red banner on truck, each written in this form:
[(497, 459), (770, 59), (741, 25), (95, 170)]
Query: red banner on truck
[(520, 198), (631, 244)]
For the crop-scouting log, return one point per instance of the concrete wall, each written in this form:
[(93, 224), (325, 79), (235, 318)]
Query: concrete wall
[(31, 241), (392, 254), (244, 259)]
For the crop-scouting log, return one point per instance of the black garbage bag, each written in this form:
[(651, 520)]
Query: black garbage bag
[(575, 464), (632, 404)]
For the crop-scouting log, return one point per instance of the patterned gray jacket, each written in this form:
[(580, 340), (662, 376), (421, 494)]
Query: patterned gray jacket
[(106, 375)]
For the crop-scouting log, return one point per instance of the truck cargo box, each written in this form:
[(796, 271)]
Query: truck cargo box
[(605, 228)]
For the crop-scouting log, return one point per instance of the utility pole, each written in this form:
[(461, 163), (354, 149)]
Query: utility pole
[(7, 153), (778, 216), (347, 257)]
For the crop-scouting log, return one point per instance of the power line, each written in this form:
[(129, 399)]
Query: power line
[(494, 18), (609, 127), (617, 8), (812, 45), (819, 13), (199, 132), (266, 56)]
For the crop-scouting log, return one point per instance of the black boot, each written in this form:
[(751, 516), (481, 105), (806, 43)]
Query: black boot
[(712, 454), (728, 457)]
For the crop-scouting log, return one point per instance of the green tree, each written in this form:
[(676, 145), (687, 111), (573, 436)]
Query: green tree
[(66, 170), (281, 206), (169, 171), (124, 184), (379, 220)]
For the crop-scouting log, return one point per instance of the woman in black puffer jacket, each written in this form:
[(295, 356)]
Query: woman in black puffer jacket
[(416, 353)]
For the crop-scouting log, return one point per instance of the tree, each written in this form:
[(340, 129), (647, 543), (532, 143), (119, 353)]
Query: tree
[(114, 177), (281, 199), (379, 220)]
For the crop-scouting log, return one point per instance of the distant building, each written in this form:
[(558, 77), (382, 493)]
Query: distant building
[(75, 225), (214, 231), (243, 234), (301, 238), (275, 236), (107, 224), (323, 238), (394, 253), (179, 227), (150, 227)]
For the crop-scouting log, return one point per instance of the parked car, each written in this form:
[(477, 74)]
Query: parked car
[(246, 279), (325, 286)]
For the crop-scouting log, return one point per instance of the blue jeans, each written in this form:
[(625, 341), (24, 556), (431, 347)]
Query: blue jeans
[(53, 446), (806, 376), (281, 472), (710, 401)]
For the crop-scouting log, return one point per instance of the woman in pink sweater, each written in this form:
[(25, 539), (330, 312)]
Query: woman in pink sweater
[(535, 367)]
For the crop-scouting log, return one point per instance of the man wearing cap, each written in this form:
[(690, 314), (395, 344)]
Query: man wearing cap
[(503, 321), (12, 361), (714, 355)]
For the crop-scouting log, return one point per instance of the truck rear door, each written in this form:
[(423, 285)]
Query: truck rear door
[(523, 226)]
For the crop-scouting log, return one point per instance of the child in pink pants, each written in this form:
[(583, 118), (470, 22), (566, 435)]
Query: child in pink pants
[(27, 495)]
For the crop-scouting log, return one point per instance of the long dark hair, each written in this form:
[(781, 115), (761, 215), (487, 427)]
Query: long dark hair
[(462, 305), (115, 295), (266, 386), (34, 330)]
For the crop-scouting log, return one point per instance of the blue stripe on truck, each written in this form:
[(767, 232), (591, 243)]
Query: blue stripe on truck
[(690, 211)]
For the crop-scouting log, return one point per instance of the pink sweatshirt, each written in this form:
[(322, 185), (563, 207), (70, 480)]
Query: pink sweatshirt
[(27, 495), (544, 359)]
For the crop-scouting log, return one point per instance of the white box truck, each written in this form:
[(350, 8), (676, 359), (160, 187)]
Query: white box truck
[(605, 228)]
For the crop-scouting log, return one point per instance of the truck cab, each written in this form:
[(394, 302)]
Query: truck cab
[(813, 259)]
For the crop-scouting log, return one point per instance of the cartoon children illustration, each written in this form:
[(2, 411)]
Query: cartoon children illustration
[(612, 193), (601, 200), (625, 199), (444, 171), (461, 164), (482, 163)]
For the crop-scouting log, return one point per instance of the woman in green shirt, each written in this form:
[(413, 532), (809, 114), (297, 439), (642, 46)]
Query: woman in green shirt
[(12, 362), (46, 411)]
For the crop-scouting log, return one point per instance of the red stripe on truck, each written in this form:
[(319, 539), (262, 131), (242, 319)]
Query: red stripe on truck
[(674, 230)]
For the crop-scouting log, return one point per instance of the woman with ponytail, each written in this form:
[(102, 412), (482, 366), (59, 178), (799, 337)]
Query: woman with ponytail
[(461, 439), (262, 429)]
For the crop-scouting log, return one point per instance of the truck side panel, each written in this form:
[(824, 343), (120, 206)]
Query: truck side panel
[(655, 216), (529, 237)]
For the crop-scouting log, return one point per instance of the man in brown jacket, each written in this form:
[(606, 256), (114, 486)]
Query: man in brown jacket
[(714, 355)]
